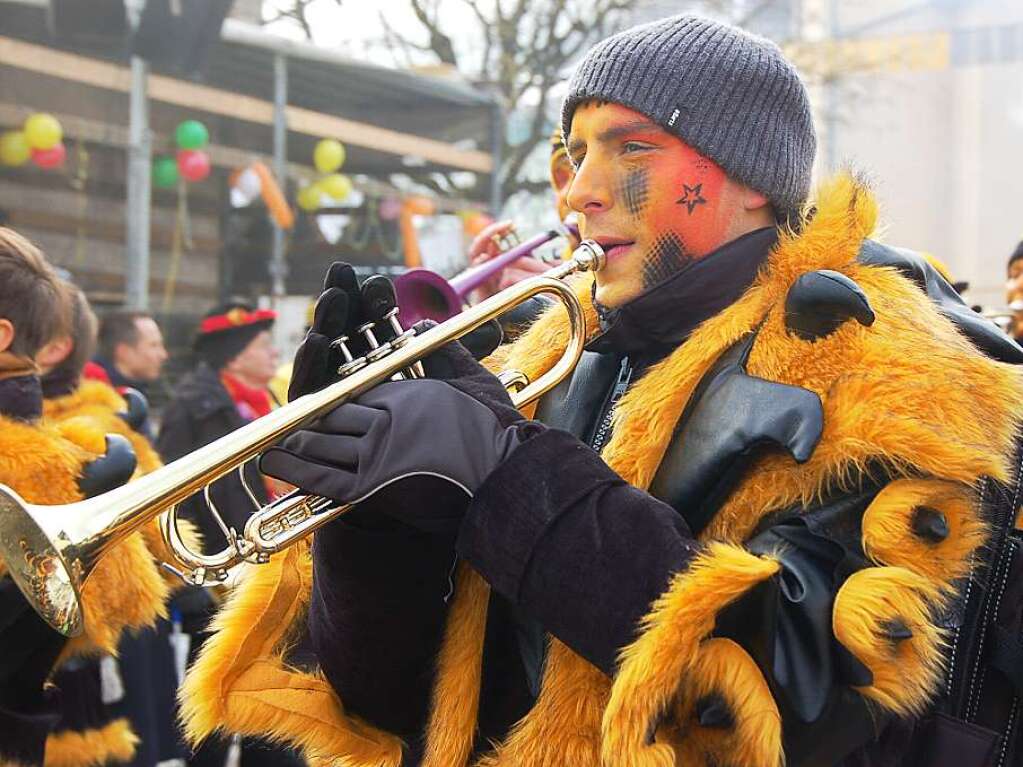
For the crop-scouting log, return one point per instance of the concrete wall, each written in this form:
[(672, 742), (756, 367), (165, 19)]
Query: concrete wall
[(944, 146)]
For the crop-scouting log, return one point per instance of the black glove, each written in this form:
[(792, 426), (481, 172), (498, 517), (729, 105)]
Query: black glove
[(338, 313), (342, 308), (419, 448)]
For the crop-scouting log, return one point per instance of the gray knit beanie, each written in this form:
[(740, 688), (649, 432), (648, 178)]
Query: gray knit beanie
[(730, 95)]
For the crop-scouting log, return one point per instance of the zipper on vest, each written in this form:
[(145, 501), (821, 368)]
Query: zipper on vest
[(621, 385)]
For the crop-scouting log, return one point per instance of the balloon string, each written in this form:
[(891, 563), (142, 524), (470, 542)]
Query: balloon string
[(78, 183), (181, 240)]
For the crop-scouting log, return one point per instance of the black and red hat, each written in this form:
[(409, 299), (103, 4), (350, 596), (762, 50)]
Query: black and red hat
[(227, 329)]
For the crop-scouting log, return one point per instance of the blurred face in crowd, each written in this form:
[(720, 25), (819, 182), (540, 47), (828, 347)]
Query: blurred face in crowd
[(561, 179), (1014, 292), (257, 363), (653, 203), (143, 359)]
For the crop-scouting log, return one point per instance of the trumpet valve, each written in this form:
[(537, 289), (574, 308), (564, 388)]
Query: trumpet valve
[(350, 364)]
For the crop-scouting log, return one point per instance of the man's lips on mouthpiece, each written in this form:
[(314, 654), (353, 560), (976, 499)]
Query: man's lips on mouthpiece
[(615, 248)]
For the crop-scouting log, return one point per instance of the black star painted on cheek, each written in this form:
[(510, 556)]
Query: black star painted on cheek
[(691, 197)]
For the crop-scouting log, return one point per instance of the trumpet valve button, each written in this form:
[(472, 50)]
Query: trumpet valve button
[(379, 352), (350, 367)]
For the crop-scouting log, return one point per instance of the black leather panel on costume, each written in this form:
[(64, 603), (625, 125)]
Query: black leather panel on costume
[(819, 302), (984, 334), (138, 409), (730, 416), (576, 404), (110, 470), (785, 626)]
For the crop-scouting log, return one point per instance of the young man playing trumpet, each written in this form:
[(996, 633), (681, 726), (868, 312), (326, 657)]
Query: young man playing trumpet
[(725, 539)]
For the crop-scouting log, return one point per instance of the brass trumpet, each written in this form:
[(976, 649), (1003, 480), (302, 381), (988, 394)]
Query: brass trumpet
[(51, 550)]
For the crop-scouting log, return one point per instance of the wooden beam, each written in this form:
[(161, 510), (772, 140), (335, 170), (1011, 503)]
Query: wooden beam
[(102, 74), (227, 157)]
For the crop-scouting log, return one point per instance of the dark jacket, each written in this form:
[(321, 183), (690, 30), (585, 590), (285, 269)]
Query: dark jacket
[(201, 412)]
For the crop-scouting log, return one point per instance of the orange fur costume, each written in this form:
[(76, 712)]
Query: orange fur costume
[(127, 590), (908, 393), (95, 407)]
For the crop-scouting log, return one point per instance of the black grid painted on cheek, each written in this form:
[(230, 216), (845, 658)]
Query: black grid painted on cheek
[(668, 256), (633, 191)]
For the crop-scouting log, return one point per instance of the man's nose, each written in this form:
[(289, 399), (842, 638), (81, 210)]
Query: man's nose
[(590, 189)]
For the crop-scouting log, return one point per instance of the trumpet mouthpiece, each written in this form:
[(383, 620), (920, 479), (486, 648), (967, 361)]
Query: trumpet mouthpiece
[(590, 256)]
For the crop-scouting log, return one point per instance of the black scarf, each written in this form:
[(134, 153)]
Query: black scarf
[(661, 318)]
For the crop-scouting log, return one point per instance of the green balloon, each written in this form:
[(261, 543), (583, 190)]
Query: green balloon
[(165, 172), (192, 134)]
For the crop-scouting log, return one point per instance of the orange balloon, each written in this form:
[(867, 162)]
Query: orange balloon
[(274, 197), (476, 223), (420, 206)]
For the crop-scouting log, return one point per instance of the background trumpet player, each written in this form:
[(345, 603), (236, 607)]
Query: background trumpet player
[(724, 540), (1014, 291)]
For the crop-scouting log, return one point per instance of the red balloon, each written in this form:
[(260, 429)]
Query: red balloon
[(194, 164), (50, 158)]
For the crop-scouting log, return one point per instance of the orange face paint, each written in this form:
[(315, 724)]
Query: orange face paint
[(652, 201)]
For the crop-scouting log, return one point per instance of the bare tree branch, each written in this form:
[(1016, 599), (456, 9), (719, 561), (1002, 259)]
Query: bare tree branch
[(439, 43), (527, 48), (295, 11)]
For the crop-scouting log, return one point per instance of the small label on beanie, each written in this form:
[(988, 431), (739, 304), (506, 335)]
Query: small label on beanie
[(674, 116)]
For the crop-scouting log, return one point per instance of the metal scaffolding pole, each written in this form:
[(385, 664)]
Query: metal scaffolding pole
[(140, 147), (278, 266)]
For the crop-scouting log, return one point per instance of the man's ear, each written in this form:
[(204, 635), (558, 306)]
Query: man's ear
[(55, 352), (6, 334), (754, 200)]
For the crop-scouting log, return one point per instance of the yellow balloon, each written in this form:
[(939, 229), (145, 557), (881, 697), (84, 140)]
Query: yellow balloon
[(336, 186), (43, 131), (14, 148), (309, 198), (329, 155)]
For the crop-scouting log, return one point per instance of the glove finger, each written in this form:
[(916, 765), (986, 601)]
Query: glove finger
[(312, 369), (341, 275), (482, 341), (451, 361), (454, 359), (330, 317), (351, 418), (423, 325), (337, 450), (311, 477)]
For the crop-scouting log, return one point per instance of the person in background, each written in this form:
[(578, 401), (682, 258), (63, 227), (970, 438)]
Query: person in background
[(48, 463), (489, 243), (140, 684), (62, 359), (227, 389), (236, 360), (131, 351), (1014, 290)]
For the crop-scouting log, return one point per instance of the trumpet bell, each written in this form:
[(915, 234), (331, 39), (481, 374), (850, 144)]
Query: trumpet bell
[(39, 563), (425, 295)]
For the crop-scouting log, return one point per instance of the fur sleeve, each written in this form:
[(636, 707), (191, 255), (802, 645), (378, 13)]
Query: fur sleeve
[(42, 463), (241, 684)]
